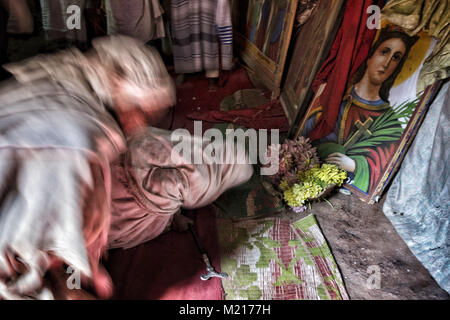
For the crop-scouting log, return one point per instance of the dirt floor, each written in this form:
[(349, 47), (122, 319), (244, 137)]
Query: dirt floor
[(362, 240)]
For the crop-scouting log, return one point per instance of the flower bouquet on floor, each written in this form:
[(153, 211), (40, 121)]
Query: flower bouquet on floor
[(301, 178)]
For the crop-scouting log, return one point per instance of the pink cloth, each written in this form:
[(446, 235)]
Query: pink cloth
[(152, 182)]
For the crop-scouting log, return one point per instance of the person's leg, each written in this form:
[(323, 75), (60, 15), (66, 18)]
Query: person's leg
[(20, 20), (212, 74), (213, 79)]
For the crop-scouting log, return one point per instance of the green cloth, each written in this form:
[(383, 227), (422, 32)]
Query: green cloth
[(276, 259), (432, 16)]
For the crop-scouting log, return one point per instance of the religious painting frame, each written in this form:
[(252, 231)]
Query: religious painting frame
[(371, 136), (263, 37), (312, 41)]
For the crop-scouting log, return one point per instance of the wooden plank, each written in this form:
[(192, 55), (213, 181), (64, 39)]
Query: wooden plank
[(269, 70), (312, 44)]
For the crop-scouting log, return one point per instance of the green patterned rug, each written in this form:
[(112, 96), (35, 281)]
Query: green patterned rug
[(276, 259)]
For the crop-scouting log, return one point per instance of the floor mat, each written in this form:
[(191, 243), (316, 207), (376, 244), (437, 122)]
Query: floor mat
[(276, 259)]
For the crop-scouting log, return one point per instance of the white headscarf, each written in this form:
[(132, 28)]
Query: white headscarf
[(139, 65)]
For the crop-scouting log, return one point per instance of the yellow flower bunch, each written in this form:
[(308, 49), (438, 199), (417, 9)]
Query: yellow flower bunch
[(300, 193), (312, 182), (331, 174), (290, 198)]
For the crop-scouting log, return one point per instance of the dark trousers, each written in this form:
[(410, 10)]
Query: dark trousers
[(3, 42)]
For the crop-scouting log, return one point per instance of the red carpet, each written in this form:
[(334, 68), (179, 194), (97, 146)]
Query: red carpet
[(169, 267), (268, 116), (193, 96)]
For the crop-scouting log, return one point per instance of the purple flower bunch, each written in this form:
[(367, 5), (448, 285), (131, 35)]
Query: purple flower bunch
[(294, 156)]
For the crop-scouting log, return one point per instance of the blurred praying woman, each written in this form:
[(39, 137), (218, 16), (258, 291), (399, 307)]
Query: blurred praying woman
[(65, 118)]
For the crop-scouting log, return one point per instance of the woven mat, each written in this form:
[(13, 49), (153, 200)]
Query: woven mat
[(276, 259)]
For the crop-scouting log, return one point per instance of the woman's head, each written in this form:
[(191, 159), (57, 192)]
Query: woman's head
[(133, 78), (385, 60)]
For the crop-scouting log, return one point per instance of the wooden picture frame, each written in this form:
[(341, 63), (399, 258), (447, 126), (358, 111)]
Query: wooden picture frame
[(371, 137), (262, 34), (313, 41), (405, 142)]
